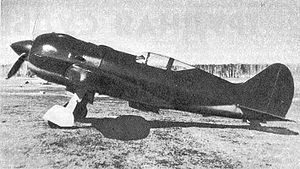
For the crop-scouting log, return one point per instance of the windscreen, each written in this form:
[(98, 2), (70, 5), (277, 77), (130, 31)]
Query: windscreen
[(178, 66), (162, 62)]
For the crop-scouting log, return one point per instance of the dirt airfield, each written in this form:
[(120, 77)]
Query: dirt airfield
[(171, 139)]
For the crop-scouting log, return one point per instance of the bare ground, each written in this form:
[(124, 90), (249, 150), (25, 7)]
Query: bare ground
[(171, 139)]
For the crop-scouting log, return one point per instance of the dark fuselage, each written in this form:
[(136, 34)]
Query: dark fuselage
[(77, 64)]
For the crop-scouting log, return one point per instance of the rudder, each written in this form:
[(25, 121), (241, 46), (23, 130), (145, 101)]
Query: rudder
[(271, 91)]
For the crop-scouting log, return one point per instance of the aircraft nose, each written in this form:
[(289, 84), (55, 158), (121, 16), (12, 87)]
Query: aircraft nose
[(22, 46)]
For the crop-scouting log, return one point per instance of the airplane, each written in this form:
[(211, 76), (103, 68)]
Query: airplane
[(149, 82)]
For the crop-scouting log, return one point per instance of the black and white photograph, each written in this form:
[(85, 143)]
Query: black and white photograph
[(150, 84)]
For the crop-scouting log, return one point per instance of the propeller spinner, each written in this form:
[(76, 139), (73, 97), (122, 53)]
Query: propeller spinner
[(22, 48)]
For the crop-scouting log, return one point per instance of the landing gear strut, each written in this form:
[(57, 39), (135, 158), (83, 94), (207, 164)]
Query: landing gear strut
[(80, 111)]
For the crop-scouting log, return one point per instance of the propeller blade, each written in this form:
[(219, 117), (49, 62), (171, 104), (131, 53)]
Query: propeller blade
[(16, 66)]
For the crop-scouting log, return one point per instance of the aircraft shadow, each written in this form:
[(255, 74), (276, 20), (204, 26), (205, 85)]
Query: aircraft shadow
[(131, 127)]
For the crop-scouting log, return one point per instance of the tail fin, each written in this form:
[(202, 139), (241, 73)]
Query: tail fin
[(271, 91)]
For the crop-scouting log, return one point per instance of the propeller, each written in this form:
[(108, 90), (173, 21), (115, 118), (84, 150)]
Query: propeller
[(22, 48), (16, 66)]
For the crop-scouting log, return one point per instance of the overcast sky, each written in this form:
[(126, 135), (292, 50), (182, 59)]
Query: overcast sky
[(196, 32)]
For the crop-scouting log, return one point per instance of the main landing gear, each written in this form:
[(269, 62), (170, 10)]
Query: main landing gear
[(80, 111), (65, 116)]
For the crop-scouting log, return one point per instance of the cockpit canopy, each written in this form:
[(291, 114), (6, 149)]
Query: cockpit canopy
[(162, 62)]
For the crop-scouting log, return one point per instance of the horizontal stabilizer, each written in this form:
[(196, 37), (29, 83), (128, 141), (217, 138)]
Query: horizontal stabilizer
[(254, 114)]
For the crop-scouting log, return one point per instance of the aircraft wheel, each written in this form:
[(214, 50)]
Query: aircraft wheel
[(80, 112)]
